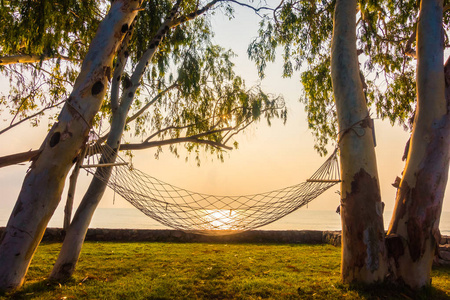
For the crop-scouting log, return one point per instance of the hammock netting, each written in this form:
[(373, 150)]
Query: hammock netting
[(206, 214)]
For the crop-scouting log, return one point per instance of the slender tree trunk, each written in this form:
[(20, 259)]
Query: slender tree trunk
[(363, 250), (414, 230), (73, 242), (72, 187), (43, 184)]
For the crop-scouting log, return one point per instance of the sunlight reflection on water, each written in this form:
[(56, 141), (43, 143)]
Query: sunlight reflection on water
[(302, 219)]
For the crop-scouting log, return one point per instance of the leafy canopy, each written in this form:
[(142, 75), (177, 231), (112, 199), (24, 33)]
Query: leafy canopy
[(302, 30), (189, 89)]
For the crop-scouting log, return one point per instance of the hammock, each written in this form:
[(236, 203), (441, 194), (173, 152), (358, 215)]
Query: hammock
[(207, 214)]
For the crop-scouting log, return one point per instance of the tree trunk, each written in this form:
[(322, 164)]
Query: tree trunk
[(413, 234), (43, 184), (72, 187), (363, 250), (73, 242)]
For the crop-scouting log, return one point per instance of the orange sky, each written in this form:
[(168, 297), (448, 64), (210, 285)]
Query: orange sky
[(268, 157)]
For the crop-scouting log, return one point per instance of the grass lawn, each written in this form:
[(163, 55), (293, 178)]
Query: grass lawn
[(207, 271)]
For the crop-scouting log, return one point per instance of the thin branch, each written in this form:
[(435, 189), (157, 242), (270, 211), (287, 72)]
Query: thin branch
[(51, 75), (210, 132), (237, 131), (147, 140), (173, 141), (193, 15), (23, 102), (30, 117), (255, 9), (275, 11), (409, 51), (140, 112), (193, 139), (151, 102), (166, 129), (31, 58)]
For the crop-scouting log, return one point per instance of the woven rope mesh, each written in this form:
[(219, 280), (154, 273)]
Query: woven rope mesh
[(203, 213)]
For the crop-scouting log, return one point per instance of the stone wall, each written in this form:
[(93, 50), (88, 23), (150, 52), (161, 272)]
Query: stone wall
[(443, 255), (445, 240), (177, 236)]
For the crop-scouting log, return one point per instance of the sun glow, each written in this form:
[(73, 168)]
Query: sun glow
[(220, 219)]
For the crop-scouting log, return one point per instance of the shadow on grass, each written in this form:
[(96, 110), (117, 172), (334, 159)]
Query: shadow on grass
[(395, 291), (34, 289)]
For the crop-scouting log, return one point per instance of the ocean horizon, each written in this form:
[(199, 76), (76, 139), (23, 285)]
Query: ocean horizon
[(301, 219)]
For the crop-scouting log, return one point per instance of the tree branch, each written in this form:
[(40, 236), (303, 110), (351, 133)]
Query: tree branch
[(193, 15), (409, 51), (31, 58), (18, 158), (151, 102), (239, 130), (52, 75), (166, 129), (256, 10), (130, 90), (30, 117), (173, 141), (30, 95)]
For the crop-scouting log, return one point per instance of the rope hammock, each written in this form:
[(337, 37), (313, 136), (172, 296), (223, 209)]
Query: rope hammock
[(202, 213)]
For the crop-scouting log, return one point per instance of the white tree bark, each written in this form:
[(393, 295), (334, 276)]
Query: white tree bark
[(42, 187), (414, 230), (71, 248), (363, 251), (71, 190)]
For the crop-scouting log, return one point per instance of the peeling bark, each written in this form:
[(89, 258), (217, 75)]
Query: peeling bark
[(43, 184), (363, 249), (415, 223), (364, 226)]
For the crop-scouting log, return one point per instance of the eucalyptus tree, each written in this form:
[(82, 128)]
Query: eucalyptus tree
[(42, 45), (33, 31), (371, 66), (168, 79), (42, 187), (211, 105)]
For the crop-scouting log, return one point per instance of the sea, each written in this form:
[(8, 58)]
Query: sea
[(302, 219)]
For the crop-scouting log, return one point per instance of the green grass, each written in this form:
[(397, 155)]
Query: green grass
[(208, 271)]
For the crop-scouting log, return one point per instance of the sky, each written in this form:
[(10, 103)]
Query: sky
[(268, 158)]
